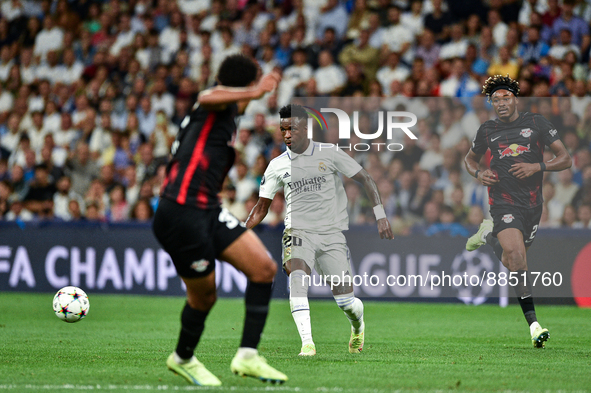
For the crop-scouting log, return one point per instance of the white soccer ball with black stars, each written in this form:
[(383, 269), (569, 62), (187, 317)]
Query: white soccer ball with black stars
[(70, 304)]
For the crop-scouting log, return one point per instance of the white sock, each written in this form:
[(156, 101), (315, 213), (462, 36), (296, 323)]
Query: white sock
[(533, 327), (299, 305), (180, 360), (353, 309), (246, 353)]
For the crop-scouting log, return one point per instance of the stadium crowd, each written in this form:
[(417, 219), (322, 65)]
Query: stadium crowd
[(92, 94)]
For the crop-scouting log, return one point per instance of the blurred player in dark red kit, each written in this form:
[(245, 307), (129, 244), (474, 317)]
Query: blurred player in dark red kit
[(514, 181), (195, 230)]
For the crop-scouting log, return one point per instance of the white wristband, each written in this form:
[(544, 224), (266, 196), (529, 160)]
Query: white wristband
[(379, 212)]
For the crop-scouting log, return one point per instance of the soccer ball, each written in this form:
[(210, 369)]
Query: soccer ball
[(70, 304)]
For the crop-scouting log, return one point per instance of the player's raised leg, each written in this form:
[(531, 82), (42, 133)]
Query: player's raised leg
[(249, 255), (514, 258), (485, 236), (201, 296), (299, 281)]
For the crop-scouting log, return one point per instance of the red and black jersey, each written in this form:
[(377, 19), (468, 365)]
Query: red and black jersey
[(202, 157), (522, 140)]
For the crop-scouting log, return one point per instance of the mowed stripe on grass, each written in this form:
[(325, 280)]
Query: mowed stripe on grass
[(123, 343)]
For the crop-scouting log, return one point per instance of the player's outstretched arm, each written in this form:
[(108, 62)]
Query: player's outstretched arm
[(486, 177), (371, 189), (258, 213), (222, 95), (561, 162)]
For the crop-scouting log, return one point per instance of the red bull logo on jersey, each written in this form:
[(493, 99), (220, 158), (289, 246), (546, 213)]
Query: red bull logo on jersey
[(526, 132), (513, 150)]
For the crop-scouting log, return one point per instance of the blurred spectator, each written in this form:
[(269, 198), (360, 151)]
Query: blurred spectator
[(161, 99), (433, 156), (146, 165), (428, 49), (563, 45), (396, 37), (505, 65), (93, 212), (146, 116), (569, 217), (275, 216), (74, 211), (362, 53), (50, 38), (329, 76), (142, 211), (37, 133), (578, 28), (499, 28), (245, 184), (125, 35), (391, 71), (457, 46), (333, 15), (163, 135), (18, 212), (63, 197), (329, 43), (81, 168), (421, 194), (39, 199), (230, 202), (533, 49), (459, 83), (431, 214), (355, 83), (565, 189), (11, 138), (118, 209), (554, 206), (6, 63), (438, 21), (295, 76), (460, 211), (475, 215), (447, 224), (414, 18), (169, 38), (583, 217)]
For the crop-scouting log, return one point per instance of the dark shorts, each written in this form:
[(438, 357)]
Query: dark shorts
[(193, 237), (526, 220)]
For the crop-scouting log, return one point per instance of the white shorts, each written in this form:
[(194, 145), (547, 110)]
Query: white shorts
[(327, 254)]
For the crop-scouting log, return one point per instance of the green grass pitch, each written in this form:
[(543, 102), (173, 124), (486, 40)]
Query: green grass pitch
[(123, 343)]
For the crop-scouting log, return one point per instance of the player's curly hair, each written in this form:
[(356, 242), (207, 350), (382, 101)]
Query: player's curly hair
[(498, 82), (237, 71)]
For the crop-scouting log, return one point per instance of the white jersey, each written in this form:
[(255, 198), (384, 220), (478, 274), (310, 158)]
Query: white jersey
[(314, 193)]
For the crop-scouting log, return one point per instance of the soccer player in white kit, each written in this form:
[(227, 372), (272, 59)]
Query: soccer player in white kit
[(316, 216)]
